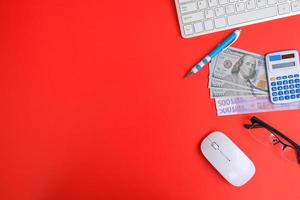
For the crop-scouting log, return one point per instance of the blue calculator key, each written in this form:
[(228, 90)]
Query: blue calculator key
[(274, 93), (281, 98), (286, 92), (285, 87), (292, 91), (280, 93), (284, 77), (278, 78), (291, 81), (287, 97), (293, 96), (285, 82), (275, 98), (296, 75), (297, 80), (292, 86), (297, 85), (290, 76), (279, 87), (274, 88), (298, 96), (279, 82), (297, 90), (273, 84)]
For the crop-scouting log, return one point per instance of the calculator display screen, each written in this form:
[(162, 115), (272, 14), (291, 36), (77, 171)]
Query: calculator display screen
[(283, 65)]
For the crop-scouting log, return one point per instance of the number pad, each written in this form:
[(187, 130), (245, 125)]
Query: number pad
[(285, 88)]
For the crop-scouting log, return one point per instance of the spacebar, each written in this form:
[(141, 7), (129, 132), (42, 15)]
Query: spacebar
[(252, 16)]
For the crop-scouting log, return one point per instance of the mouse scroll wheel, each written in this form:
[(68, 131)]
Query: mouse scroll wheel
[(215, 146)]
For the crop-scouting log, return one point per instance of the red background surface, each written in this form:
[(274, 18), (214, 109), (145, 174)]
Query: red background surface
[(94, 106)]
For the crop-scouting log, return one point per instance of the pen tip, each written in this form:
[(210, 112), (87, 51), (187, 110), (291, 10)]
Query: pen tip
[(188, 75)]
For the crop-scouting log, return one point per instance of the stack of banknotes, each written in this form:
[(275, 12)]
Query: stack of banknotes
[(238, 83)]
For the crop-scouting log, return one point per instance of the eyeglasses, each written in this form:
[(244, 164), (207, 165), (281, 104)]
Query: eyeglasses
[(265, 133)]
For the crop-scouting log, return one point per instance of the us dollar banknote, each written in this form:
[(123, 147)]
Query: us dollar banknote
[(239, 67), (221, 92)]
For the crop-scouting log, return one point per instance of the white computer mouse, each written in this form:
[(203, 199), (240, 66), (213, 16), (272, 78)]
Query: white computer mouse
[(228, 159)]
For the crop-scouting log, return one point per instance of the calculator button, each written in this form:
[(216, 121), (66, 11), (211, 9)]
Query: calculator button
[(279, 87), (272, 78), (298, 90), (296, 75), (293, 96), (292, 91), (286, 92), (275, 98), (292, 86), (297, 80), (278, 78), (280, 93), (281, 98), (284, 77), (273, 84), (274, 88), (287, 97), (285, 87), (298, 96), (285, 82), (274, 93), (297, 85), (290, 76), (279, 82), (291, 81)]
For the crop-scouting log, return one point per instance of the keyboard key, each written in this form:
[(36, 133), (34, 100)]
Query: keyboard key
[(188, 29), (220, 22), (271, 2), (280, 93), (275, 98), (198, 27), (208, 25), (240, 7), (189, 7), (284, 9), (293, 96), (261, 3), (274, 93), (279, 82), (285, 82), (202, 4), (192, 17), (295, 6), (184, 1), (209, 13), (229, 9), (222, 2), (220, 11), (273, 84), (250, 4), (212, 3), (274, 89), (281, 98), (252, 15)]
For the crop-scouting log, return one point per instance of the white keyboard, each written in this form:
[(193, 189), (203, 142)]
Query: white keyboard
[(200, 17)]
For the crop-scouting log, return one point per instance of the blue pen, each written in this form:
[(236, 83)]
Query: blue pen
[(221, 47)]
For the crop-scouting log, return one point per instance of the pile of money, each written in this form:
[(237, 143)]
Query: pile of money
[(238, 83)]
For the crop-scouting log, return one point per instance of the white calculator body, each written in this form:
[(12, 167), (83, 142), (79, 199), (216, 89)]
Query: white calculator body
[(283, 73)]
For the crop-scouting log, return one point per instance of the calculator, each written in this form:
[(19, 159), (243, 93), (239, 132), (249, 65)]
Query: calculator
[(283, 74)]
